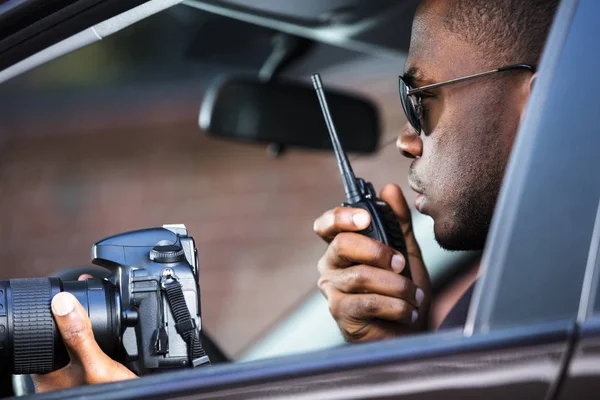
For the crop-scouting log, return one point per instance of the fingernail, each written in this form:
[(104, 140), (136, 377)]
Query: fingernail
[(397, 263), (361, 219), (62, 304), (419, 296), (415, 315)]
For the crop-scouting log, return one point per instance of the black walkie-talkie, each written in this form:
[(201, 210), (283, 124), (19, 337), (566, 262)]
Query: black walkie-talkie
[(361, 194)]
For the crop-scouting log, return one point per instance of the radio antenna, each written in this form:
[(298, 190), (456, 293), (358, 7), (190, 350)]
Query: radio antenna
[(350, 186)]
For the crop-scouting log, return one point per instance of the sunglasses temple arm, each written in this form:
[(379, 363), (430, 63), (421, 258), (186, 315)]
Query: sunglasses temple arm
[(466, 78), (457, 80)]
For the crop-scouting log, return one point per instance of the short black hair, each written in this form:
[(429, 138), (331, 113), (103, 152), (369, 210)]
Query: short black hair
[(507, 31)]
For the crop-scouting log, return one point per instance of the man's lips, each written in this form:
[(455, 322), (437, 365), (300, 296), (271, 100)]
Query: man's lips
[(420, 199), (414, 187), (420, 202)]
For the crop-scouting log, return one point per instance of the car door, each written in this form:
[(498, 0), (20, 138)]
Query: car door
[(583, 372)]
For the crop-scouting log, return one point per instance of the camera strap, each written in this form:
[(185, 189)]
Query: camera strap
[(184, 323)]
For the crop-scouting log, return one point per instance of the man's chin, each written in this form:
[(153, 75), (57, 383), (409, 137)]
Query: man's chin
[(452, 237)]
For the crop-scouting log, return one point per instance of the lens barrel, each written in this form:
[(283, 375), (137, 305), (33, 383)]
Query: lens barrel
[(29, 339)]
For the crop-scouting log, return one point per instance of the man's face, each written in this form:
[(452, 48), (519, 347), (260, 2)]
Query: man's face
[(468, 130)]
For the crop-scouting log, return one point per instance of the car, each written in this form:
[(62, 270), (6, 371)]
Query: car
[(532, 324)]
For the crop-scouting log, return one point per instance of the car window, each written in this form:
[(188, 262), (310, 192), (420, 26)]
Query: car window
[(105, 140)]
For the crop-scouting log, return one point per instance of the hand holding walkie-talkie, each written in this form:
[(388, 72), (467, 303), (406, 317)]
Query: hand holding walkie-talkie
[(361, 194), (372, 291)]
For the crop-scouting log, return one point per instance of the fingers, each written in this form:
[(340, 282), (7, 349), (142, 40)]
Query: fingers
[(75, 328), (341, 219), (362, 279), (83, 277), (349, 249), (364, 307), (360, 276)]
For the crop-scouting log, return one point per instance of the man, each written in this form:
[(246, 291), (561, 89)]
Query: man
[(460, 135)]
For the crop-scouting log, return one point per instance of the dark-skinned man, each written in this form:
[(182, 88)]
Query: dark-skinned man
[(460, 135)]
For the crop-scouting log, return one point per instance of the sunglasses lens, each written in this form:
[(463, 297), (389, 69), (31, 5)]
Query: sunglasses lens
[(409, 107)]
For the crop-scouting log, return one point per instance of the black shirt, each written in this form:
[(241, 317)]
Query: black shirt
[(457, 316)]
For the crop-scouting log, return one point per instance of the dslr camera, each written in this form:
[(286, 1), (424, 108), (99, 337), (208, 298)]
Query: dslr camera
[(145, 314)]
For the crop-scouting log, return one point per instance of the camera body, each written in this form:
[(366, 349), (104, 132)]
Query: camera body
[(142, 263), (145, 314)]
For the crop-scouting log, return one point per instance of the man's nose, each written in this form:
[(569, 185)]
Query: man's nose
[(409, 142)]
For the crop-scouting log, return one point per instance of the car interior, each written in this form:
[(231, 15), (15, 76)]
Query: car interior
[(202, 112), (168, 59)]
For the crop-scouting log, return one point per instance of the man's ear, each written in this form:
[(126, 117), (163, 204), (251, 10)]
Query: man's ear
[(527, 88)]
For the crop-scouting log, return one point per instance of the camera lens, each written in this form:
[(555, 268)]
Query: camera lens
[(29, 339)]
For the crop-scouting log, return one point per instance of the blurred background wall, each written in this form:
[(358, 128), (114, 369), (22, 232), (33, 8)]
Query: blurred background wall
[(251, 215)]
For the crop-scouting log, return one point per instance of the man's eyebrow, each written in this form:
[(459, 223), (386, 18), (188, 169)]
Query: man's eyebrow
[(414, 75)]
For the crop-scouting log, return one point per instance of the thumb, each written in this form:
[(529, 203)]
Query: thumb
[(75, 328), (392, 194)]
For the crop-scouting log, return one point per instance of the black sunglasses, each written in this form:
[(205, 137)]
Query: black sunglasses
[(411, 102)]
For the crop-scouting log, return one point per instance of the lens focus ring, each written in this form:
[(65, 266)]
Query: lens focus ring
[(32, 328)]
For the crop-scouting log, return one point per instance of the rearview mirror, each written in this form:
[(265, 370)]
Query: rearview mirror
[(287, 114)]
